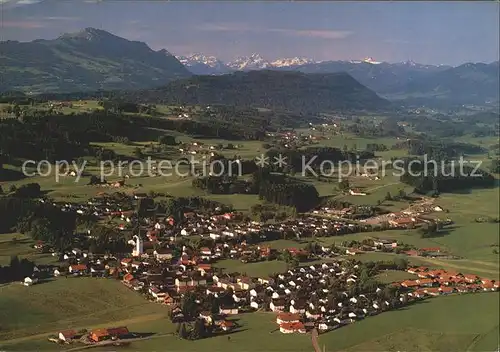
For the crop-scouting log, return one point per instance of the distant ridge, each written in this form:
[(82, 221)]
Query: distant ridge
[(87, 60), (294, 91)]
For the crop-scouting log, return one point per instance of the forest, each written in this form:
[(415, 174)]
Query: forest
[(447, 178)]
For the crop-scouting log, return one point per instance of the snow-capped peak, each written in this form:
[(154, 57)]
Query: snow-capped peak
[(369, 60), (409, 63), (294, 61), (252, 62), (195, 59)]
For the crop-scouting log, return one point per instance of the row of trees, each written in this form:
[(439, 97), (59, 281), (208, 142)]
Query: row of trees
[(17, 270)]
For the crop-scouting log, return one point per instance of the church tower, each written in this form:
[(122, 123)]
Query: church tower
[(139, 247)]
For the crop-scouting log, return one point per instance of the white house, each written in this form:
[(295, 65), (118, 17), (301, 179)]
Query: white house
[(67, 335), (228, 310), (356, 193), (28, 281), (163, 254), (277, 305)]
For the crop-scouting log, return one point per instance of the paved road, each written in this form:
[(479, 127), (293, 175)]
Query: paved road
[(314, 340)]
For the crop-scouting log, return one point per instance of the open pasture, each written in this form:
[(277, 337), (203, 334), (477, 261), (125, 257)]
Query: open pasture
[(455, 323), (68, 302)]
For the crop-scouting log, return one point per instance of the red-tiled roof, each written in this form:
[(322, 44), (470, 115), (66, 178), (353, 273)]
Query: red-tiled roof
[(288, 316), (292, 326)]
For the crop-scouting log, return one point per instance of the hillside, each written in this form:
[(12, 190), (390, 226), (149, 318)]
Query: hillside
[(91, 59), (269, 89), (382, 78), (466, 84)]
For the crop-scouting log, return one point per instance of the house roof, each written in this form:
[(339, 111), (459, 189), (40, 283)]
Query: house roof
[(431, 249), (227, 323), (122, 330), (409, 283), (101, 332), (288, 316), (68, 333), (128, 277), (446, 289), (292, 326), (403, 221)]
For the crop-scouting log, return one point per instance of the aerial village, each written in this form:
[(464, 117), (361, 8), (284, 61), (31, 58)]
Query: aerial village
[(323, 288)]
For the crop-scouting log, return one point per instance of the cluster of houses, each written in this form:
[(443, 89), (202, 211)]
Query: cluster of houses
[(292, 139), (196, 147), (320, 296), (93, 336), (375, 244), (441, 282), (120, 205), (230, 226)]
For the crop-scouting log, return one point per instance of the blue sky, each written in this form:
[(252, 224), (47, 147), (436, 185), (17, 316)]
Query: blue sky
[(425, 32)]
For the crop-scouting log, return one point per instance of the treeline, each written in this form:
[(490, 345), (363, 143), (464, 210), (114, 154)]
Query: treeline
[(224, 185), (255, 119), (17, 270), (297, 159), (58, 137), (447, 178), (438, 149), (364, 128), (285, 190), (37, 139), (478, 125), (42, 221), (176, 207), (376, 147), (273, 187)]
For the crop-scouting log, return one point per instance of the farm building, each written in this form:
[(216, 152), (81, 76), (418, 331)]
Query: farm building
[(102, 334), (67, 335)]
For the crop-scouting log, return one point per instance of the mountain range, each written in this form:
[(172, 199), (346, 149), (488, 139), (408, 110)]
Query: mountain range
[(91, 59), (94, 59), (410, 81)]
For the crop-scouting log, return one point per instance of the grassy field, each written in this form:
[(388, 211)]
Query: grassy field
[(22, 246), (259, 269), (455, 323), (69, 302)]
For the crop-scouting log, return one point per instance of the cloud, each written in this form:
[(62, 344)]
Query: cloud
[(61, 18), (28, 2), (312, 33), (34, 22), (315, 33), (10, 4), (22, 24)]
